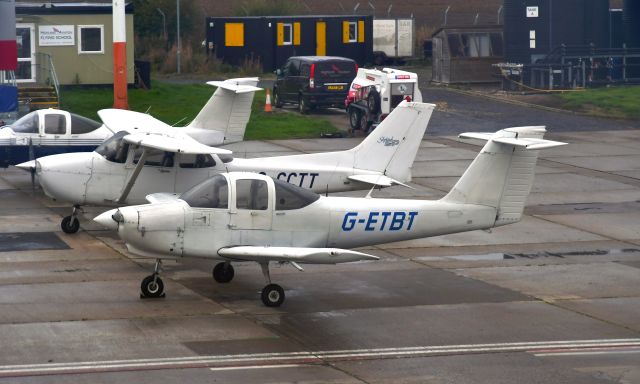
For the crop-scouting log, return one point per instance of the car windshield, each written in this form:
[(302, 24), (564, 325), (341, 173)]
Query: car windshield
[(114, 149), (211, 193), (27, 123)]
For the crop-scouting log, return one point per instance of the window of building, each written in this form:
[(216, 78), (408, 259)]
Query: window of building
[(287, 34), (353, 31), (90, 39), (234, 34)]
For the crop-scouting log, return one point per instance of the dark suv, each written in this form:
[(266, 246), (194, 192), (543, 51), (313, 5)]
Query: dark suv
[(311, 81)]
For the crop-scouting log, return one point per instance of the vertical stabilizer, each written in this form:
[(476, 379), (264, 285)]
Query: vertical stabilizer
[(229, 109), (392, 147), (501, 175)]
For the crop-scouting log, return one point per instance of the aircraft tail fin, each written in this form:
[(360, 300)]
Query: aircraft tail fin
[(501, 175), (229, 109), (392, 147)]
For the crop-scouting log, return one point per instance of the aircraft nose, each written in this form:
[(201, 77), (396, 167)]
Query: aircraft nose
[(109, 219), (64, 177), (27, 165)]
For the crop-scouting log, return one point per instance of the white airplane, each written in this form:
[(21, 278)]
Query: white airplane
[(236, 217), (50, 131), (131, 165)]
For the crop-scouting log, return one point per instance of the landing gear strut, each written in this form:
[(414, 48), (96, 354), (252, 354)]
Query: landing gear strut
[(152, 285), (71, 224), (223, 272), (272, 294)]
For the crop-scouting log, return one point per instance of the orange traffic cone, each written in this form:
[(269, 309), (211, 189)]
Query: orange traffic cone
[(267, 105)]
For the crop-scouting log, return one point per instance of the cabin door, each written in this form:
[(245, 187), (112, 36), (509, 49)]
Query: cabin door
[(321, 38)]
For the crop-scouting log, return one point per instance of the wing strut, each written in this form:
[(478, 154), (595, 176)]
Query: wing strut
[(134, 176)]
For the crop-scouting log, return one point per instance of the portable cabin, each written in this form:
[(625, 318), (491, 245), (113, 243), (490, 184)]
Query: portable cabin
[(68, 43), (271, 40), (466, 54)]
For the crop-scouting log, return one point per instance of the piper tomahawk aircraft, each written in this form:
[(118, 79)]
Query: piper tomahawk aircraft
[(50, 131), (130, 166), (250, 217)]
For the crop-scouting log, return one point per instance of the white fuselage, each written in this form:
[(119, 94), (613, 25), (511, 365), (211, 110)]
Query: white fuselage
[(174, 229)]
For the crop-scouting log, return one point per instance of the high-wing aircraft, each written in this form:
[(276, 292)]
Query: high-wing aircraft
[(236, 217), (133, 164), (51, 131)]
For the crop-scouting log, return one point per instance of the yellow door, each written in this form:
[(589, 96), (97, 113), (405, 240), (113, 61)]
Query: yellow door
[(321, 38)]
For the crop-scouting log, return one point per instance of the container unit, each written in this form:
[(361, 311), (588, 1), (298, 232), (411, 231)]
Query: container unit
[(271, 40), (466, 54), (534, 28), (393, 39)]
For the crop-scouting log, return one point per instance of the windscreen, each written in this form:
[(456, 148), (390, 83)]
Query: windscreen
[(211, 193), (26, 124), (114, 149), (335, 71)]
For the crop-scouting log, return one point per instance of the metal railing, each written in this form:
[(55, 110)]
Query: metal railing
[(46, 72)]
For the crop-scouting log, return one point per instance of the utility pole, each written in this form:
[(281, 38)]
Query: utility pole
[(179, 53), (120, 100)]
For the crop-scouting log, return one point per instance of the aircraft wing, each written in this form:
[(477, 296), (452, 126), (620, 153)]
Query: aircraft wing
[(293, 254), (377, 180), (174, 143), (122, 120)]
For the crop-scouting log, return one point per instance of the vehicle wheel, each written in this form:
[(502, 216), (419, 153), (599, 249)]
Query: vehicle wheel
[(373, 102), (70, 224), (354, 118), (303, 105), (152, 288), (223, 272), (277, 101), (363, 123), (272, 295)]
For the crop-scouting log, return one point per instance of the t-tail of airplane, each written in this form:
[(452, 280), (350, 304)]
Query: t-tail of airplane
[(501, 175), (229, 109), (392, 147)]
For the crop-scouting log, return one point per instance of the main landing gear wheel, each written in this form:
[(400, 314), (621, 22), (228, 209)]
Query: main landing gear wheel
[(152, 285), (272, 295), (71, 224), (223, 272)]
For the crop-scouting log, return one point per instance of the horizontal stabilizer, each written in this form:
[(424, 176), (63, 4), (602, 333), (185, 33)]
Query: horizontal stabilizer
[(182, 144), (294, 254), (516, 136), (236, 85), (377, 180), (162, 197)]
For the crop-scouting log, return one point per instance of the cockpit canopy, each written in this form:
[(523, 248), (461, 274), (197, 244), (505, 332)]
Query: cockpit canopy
[(249, 193), (55, 122)]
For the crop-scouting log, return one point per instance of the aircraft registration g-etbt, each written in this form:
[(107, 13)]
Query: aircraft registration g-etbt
[(240, 216)]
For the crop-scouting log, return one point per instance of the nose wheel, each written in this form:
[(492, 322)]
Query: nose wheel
[(152, 285), (272, 294), (70, 224)]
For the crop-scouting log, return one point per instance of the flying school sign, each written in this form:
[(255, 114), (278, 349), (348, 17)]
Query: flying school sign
[(56, 35)]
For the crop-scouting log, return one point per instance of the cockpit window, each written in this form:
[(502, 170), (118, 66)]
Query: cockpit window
[(226, 158), (212, 193), (289, 196), (196, 161), (155, 158), (81, 124), (27, 123), (115, 149), (252, 194), (55, 124)]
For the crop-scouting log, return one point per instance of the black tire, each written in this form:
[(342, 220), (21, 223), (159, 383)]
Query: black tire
[(277, 100), (303, 105), (373, 102), (223, 273), (272, 295), (354, 118), (151, 289), (70, 224)]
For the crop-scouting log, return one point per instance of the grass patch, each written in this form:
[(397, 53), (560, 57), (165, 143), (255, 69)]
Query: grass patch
[(618, 102), (178, 104)]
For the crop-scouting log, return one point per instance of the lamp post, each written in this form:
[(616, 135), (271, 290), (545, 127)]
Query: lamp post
[(178, 34), (164, 24)]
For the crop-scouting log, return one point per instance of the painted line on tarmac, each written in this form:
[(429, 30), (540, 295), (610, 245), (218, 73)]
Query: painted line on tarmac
[(241, 361), (257, 367), (591, 352)]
